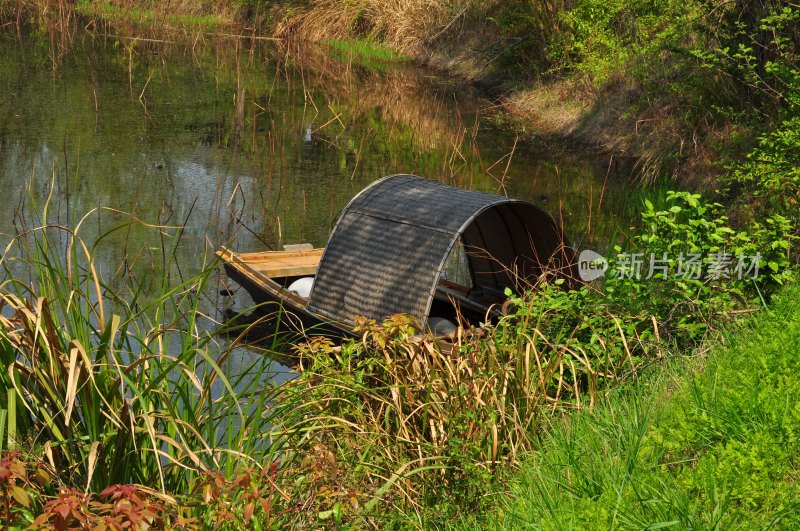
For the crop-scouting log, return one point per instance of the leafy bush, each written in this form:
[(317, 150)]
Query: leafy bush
[(752, 48), (769, 180), (684, 272), (721, 277), (604, 37)]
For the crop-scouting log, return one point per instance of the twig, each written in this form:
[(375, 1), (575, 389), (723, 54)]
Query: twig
[(135, 38), (252, 37), (141, 95)]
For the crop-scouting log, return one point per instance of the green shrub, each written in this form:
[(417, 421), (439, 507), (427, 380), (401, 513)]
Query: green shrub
[(769, 180), (678, 277)]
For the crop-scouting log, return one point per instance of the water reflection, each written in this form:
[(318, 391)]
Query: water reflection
[(252, 144)]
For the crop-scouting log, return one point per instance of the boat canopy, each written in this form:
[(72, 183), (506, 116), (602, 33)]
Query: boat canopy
[(391, 244)]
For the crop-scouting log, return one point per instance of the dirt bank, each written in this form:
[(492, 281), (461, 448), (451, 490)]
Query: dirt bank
[(614, 117), (464, 40)]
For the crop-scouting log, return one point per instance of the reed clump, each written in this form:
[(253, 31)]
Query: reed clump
[(110, 393), (406, 27), (408, 427)]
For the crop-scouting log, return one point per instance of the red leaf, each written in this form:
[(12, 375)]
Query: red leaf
[(62, 510), (267, 505)]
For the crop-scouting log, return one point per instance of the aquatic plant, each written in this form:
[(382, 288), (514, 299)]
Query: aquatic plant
[(113, 385)]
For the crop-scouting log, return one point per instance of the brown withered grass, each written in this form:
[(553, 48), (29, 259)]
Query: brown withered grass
[(408, 418), (407, 26)]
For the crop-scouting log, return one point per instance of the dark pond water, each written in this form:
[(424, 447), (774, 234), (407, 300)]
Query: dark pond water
[(252, 144)]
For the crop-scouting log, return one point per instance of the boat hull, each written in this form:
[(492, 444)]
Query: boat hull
[(284, 309)]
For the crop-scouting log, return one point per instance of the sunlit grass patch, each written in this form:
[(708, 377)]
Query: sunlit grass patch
[(708, 444), (114, 13), (366, 54), (366, 50)]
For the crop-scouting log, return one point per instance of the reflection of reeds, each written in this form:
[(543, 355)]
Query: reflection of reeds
[(55, 18), (405, 99), (363, 124), (412, 108)]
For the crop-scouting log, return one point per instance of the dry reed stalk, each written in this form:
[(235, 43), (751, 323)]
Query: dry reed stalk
[(407, 26)]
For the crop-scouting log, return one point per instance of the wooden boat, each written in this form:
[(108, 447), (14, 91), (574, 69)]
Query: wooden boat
[(267, 275), (408, 245)]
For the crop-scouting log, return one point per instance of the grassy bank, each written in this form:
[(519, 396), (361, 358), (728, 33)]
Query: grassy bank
[(113, 401), (707, 443)]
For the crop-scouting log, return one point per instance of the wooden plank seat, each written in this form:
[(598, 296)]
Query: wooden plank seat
[(279, 264)]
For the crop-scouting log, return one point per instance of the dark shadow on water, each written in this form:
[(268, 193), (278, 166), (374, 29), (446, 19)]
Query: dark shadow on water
[(262, 330)]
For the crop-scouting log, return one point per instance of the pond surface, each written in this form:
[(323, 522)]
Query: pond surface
[(252, 144)]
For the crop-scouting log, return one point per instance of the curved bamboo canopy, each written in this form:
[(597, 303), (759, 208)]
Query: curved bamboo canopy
[(391, 242)]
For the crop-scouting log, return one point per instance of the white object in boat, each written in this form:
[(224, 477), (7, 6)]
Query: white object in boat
[(302, 286), (298, 247), (441, 326)]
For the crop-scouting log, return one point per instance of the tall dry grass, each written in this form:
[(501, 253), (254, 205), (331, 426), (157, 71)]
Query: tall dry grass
[(407, 26), (112, 384), (417, 425)]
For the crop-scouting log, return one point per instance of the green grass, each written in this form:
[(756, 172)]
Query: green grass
[(366, 50), (115, 13), (365, 53), (710, 443)]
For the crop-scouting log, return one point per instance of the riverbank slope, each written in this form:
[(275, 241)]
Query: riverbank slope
[(678, 91), (676, 87), (708, 442)]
